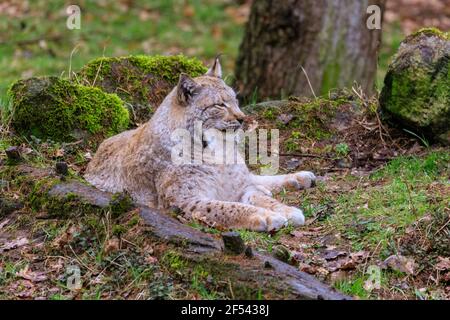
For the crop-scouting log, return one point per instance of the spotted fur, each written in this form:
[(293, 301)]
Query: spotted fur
[(228, 196)]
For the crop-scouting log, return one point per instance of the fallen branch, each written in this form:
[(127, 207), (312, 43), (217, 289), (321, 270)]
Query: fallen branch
[(247, 274)]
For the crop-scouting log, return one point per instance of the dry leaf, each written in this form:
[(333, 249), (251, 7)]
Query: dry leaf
[(443, 264), (112, 245), (59, 152), (401, 263), (3, 223), (27, 274), (14, 244), (151, 260), (333, 254)]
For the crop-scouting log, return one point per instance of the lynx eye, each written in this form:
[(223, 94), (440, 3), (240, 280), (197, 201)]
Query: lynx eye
[(220, 105)]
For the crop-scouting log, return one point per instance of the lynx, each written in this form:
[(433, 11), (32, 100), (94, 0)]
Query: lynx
[(222, 195)]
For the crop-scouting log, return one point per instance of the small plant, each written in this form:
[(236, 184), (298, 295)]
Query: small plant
[(342, 149), (421, 138)]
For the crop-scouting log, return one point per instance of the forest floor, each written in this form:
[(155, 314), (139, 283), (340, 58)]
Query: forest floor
[(378, 222), (381, 194)]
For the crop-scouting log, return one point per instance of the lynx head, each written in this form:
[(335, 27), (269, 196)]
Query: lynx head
[(208, 99)]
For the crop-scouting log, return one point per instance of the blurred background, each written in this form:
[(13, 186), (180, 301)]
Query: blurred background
[(34, 39)]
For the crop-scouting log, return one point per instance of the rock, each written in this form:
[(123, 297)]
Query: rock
[(281, 253), (54, 108), (248, 252), (344, 163), (292, 164), (416, 92), (141, 81), (13, 153), (285, 118), (8, 206), (62, 168), (300, 119), (233, 242)]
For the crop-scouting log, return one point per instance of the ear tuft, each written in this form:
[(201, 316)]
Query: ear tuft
[(216, 69), (186, 88)]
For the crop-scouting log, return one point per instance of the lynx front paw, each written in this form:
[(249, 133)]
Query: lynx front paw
[(276, 222), (302, 180), (296, 217)]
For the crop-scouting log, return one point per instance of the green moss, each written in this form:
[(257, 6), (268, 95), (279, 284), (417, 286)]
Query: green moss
[(429, 32), (141, 81), (61, 207), (167, 67), (62, 111), (120, 203)]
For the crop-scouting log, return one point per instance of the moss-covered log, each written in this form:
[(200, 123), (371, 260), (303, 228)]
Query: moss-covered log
[(416, 92), (141, 81)]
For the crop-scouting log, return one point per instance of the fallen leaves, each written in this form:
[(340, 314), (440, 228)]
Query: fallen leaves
[(401, 263), (3, 223), (13, 244), (443, 264), (32, 276)]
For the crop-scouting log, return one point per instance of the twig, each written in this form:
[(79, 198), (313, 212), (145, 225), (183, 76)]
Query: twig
[(99, 67), (70, 60), (81, 262), (442, 228), (309, 83)]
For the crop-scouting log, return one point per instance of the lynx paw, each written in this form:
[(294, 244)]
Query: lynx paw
[(276, 222), (302, 180), (296, 217)]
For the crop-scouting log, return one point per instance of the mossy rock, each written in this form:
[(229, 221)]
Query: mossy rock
[(56, 109), (141, 81), (301, 119), (416, 92)]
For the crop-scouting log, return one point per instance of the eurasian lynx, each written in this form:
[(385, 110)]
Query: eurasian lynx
[(229, 196)]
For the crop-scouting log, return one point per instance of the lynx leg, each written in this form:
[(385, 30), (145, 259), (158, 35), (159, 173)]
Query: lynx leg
[(258, 199), (298, 180), (234, 215)]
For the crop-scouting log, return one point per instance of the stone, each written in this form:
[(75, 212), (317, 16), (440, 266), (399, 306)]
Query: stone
[(62, 168), (13, 153), (233, 242), (281, 253), (57, 109), (249, 252), (416, 92)]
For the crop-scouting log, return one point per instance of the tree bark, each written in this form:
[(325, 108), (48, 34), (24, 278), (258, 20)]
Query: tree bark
[(328, 38)]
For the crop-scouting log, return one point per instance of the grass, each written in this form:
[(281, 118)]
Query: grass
[(375, 217), (40, 44)]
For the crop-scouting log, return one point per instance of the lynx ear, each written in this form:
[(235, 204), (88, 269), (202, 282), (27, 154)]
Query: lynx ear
[(186, 88), (216, 69)]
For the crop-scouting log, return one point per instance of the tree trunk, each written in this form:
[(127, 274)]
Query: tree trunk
[(328, 38)]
